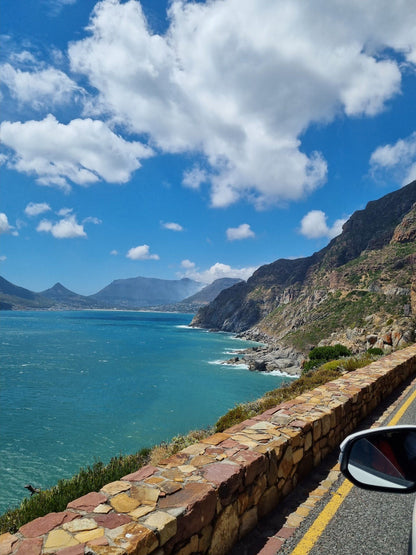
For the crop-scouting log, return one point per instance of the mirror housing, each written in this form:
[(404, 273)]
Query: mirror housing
[(381, 459)]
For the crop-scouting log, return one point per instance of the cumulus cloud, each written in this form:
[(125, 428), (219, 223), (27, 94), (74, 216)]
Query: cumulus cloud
[(172, 226), (188, 264), (67, 228), (398, 159), (242, 94), (84, 151), (141, 252), (36, 208), (243, 231), (114, 252), (5, 227), (40, 88), (314, 225), (216, 271)]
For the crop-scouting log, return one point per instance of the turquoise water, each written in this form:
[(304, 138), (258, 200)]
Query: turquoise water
[(76, 387)]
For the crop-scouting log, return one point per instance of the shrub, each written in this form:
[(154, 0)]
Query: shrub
[(329, 352), (375, 351)]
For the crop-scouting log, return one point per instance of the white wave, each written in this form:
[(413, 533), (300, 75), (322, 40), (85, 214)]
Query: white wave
[(240, 366), (280, 374)]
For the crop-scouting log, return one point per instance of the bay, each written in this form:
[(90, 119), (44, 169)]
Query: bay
[(77, 387)]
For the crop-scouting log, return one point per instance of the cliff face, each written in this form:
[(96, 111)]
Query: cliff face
[(359, 282)]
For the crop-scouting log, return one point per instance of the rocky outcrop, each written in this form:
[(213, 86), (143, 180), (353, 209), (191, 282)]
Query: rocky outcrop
[(362, 283)]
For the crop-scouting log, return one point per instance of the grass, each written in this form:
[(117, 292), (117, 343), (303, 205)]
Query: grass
[(91, 478)]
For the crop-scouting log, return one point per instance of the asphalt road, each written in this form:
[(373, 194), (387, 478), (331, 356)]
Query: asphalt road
[(366, 522)]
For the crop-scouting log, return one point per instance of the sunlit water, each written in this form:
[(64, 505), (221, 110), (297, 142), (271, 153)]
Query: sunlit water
[(76, 387)]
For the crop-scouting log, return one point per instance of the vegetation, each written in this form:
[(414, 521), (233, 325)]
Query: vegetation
[(319, 355)]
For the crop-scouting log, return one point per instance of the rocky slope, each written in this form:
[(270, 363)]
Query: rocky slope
[(359, 290)]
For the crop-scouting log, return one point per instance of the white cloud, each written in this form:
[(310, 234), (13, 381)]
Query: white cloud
[(188, 264), (241, 94), (65, 211), (114, 252), (84, 151), (5, 227), (92, 220), (36, 208), (172, 226), (217, 271), (141, 252), (243, 231), (398, 159), (40, 88), (3, 258), (314, 226), (194, 177), (66, 228)]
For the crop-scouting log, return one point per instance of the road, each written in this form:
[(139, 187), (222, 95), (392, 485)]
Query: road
[(365, 523)]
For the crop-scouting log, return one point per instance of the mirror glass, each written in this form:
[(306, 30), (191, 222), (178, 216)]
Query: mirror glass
[(386, 459)]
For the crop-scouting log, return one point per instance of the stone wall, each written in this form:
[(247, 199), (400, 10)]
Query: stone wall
[(206, 497)]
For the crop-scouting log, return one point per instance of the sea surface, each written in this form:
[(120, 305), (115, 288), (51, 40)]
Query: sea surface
[(77, 387)]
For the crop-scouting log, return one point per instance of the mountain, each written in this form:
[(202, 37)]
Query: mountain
[(358, 290), (208, 293), (64, 298), (201, 298), (14, 297), (140, 292)]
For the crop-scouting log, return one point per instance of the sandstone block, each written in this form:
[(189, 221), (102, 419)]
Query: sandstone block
[(268, 501), (164, 524), (6, 543), (58, 539), (145, 495), (197, 503), (87, 502), (115, 487), (225, 531), (122, 503), (135, 538), (32, 546), (252, 463), (141, 474), (45, 524), (248, 522), (228, 477)]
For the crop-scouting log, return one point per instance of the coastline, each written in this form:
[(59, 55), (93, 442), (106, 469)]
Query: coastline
[(269, 357)]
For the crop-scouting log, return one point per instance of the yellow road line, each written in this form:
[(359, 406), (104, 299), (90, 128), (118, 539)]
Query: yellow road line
[(328, 512), (402, 410)]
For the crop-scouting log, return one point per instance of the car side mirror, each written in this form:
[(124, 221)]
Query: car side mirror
[(383, 459)]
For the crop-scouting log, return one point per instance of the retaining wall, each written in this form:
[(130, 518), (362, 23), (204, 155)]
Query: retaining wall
[(206, 497)]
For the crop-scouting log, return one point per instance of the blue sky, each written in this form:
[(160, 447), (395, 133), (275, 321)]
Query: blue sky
[(174, 139)]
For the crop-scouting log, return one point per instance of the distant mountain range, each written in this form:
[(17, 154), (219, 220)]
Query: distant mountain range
[(183, 295)]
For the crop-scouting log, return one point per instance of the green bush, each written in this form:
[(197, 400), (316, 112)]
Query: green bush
[(329, 352), (375, 351)]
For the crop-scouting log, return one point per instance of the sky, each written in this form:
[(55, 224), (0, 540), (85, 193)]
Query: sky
[(195, 139)]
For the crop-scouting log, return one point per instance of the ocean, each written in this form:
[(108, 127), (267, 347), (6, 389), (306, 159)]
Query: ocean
[(82, 386)]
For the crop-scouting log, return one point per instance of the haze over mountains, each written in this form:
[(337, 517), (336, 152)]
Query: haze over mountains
[(131, 293)]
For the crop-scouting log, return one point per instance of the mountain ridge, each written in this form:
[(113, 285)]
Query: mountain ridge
[(368, 268), (58, 297)]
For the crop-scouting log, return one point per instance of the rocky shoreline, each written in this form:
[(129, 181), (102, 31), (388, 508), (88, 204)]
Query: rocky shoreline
[(270, 357)]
